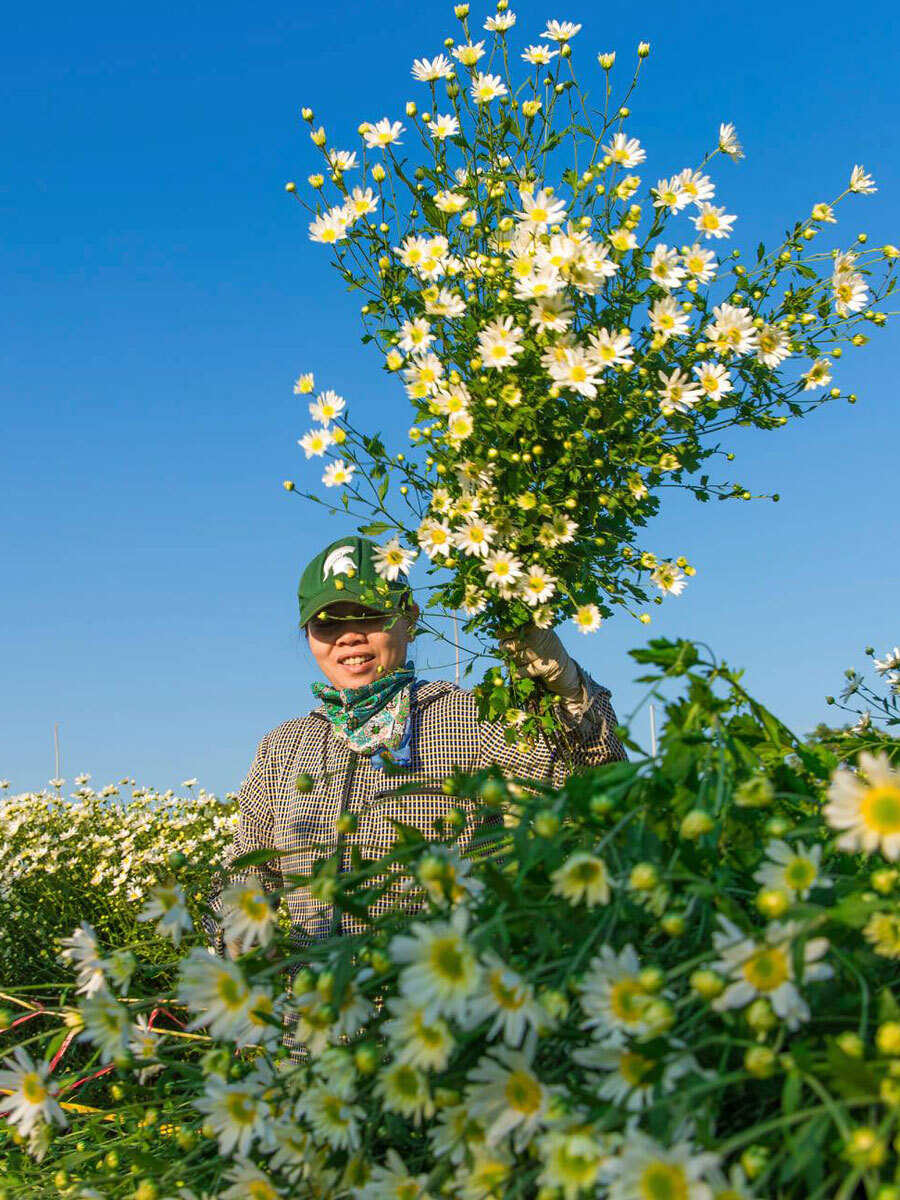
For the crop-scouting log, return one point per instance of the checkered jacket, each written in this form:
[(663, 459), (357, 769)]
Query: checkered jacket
[(446, 735)]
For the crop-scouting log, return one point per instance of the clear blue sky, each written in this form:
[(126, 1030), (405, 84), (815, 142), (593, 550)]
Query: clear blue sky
[(160, 295)]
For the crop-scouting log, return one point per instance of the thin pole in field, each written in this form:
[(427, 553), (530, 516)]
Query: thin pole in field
[(653, 730)]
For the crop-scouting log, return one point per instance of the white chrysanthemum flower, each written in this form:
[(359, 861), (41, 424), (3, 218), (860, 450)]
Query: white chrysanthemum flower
[(645, 1170), (415, 336), (818, 375), (700, 263), (248, 1182), (326, 407), (383, 133), (413, 251), (625, 151), (631, 1080), (29, 1096), (550, 313), (713, 379), (393, 1182), (338, 473), (362, 201), (536, 586), (542, 283), (474, 537), (713, 222), (106, 1025), (678, 392), (427, 69), (392, 559), (506, 1096), (538, 56), (728, 142), (850, 293), (341, 160), (167, 907), (669, 578), (459, 426), (612, 996), (668, 319), (404, 1089), (499, 343), (766, 969), (774, 346), (450, 202), (500, 22), (541, 209), (335, 1121), (792, 869), (468, 53), (890, 662), (441, 302), (486, 88), (316, 442), (670, 195), (560, 31), (507, 1001), (249, 918), (502, 567), (216, 990), (443, 126), (587, 618), (235, 1112), (474, 601), (695, 185), (415, 1041), (578, 371), (435, 538), (610, 348), (866, 813), (441, 970), (83, 952), (329, 227), (303, 385), (861, 182), (582, 879), (664, 267), (732, 329)]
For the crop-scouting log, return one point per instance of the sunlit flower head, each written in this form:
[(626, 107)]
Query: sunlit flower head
[(582, 879), (316, 442), (443, 126), (538, 56), (560, 31), (861, 182), (865, 807), (29, 1100), (326, 407), (427, 69), (383, 133), (486, 88), (728, 142), (392, 559)]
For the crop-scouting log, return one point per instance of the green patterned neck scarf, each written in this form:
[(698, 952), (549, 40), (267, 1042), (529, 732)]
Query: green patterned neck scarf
[(373, 715)]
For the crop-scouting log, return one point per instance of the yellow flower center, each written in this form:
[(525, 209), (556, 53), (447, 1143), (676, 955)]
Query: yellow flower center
[(523, 1092), (500, 350), (33, 1089), (579, 374), (576, 1168), (240, 1109), (800, 874), (506, 997), (406, 1081), (539, 214), (634, 1068), (259, 1189), (627, 999), (662, 1181), (709, 221), (329, 235), (254, 906), (880, 809), (334, 1111), (767, 969), (447, 959)]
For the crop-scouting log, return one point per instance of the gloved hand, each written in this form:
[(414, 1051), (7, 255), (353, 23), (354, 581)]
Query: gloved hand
[(541, 655)]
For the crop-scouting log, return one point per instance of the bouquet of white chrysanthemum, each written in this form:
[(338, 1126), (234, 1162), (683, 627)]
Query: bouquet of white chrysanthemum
[(572, 337), (675, 977)]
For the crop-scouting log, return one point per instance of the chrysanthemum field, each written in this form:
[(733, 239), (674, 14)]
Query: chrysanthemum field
[(676, 978)]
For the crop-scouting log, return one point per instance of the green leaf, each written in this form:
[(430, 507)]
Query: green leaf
[(375, 528)]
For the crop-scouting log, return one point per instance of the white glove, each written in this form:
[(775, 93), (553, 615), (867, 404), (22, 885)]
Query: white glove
[(541, 655)]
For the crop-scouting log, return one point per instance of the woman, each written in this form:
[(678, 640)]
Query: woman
[(310, 772)]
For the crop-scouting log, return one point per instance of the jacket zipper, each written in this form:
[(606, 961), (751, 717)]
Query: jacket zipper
[(342, 837)]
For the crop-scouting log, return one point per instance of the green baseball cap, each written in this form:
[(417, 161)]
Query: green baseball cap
[(345, 570)]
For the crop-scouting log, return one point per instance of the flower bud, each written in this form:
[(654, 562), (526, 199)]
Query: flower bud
[(378, 172), (707, 984), (772, 903), (643, 49), (695, 824), (606, 60), (307, 114), (760, 1062), (318, 136), (851, 1044), (643, 877), (290, 187)]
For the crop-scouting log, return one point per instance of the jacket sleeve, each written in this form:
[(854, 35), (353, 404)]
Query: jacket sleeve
[(255, 831), (588, 739)]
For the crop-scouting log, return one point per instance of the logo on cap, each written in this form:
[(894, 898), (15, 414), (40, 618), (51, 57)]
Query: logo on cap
[(339, 562)]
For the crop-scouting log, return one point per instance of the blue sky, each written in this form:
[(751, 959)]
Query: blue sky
[(160, 295)]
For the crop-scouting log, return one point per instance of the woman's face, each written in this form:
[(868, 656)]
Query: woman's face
[(352, 652)]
